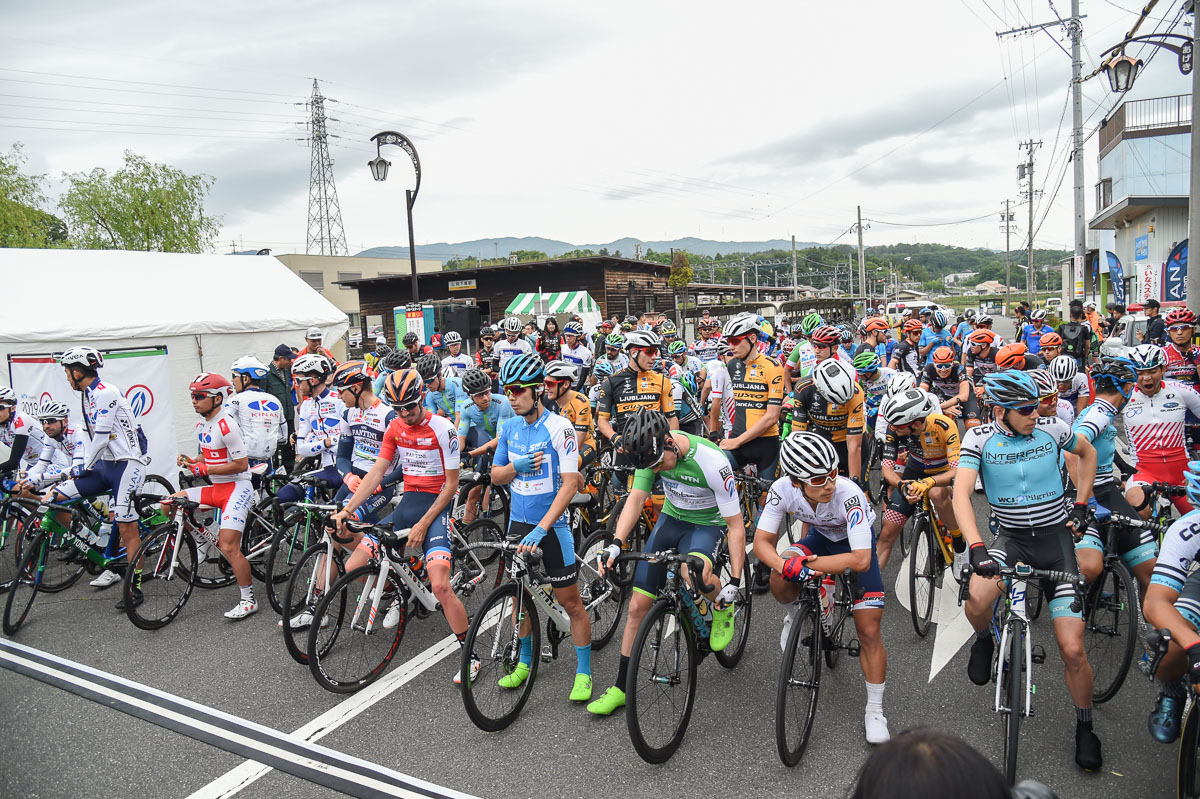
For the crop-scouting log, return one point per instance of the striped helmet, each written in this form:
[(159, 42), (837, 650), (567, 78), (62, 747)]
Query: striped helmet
[(522, 370)]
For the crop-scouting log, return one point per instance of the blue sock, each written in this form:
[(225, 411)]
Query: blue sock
[(527, 650), (583, 660)]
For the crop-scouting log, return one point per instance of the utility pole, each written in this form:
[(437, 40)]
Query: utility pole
[(862, 264), (1008, 218), (1026, 171), (1075, 26), (795, 284)]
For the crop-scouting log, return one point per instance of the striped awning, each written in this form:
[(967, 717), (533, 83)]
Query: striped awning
[(553, 303)]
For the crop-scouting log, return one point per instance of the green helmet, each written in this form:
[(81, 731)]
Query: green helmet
[(615, 340), (810, 323), (866, 362), (676, 348)]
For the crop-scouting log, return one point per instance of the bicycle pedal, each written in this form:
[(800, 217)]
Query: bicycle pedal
[(547, 655), (853, 648), (1038, 654)]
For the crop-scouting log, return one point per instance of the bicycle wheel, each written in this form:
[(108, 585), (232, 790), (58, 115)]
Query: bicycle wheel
[(481, 531), (1035, 598), (623, 571), (292, 540), (731, 655), (1014, 693), (1187, 771), (471, 578), (1110, 628), (355, 648), (494, 638), (906, 534), (169, 564), (662, 682), (304, 589), (12, 522), (212, 570), (261, 526), (924, 565), (603, 598), (799, 684), (64, 563), (875, 483), (840, 614), (25, 586)]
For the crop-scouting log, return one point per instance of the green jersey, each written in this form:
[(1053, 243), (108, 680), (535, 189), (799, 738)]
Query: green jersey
[(700, 489), (802, 359)]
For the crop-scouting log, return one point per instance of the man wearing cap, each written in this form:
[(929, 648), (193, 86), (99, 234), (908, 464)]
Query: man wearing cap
[(1156, 329), (606, 327), (381, 349), (278, 383), (312, 344)]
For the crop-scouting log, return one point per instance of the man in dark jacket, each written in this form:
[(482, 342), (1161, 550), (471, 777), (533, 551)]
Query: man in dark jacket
[(1156, 329), (278, 383)]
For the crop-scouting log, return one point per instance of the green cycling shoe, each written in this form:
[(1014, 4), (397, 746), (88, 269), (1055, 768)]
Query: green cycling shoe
[(582, 691), (612, 699), (722, 629), (517, 678)]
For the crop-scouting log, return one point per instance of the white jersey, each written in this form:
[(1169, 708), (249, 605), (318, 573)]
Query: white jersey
[(110, 424), (260, 417), (221, 443), (1066, 411), (320, 418), (366, 429), (58, 457), (847, 516), (693, 365), (578, 356), (721, 391), (459, 363), (505, 349), (21, 425)]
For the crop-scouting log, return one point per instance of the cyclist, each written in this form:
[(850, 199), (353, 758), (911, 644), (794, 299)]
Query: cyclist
[(963, 329), (513, 343), (538, 457), (874, 377), (23, 438), (486, 357), (701, 502), (720, 395), (444, 393), (832, 406), (947, 380), (838, 535), (824, 341), (802, 360), (478, 426), (1173, 602), (600, 372), (614, 352), (906, 357), (935, 335), (394, 361), (364, 424), (1154, 421), (636, 386), (1049, 402), (559, 397), (62, 449), (757, 383), (456, 360), (427, 449), (845, 350), (876, 338), (225, 461), (576, 353), (257, 413), (114, 458), (684, 392), (319, 423), (1017, 455), (677, 352), (1016, 356), (1072, 384), (414, 347), (1031, 333), (1051, 347), (313, 340), (381, 349), (706, 347), (1183, 361), (915, 423)]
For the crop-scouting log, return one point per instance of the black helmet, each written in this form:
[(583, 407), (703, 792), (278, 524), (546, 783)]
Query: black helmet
[(396, 360), (410, 339), (428, 366), (644, 438), (1115, 371), (476, 381), (382, 349), (487, 330)]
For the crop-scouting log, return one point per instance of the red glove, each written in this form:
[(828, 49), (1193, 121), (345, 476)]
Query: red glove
[(352, 481), (794, 570), (199, 468)]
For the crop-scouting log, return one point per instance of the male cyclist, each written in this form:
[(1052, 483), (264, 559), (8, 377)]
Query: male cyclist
[(1154, 421), (257, 413), (706, 347), (559, 397), (62, 449), (478, 427), (513, 343), (677, 352), (948, 381), (758, 388), (456, 360), (802, 360), (907, 355), (575, 352), (1031, 334), (832, 406), (614, 346), (319, 422), (1073, 384), (23, 438), (394, 361), (720, 395), (936, 335), (365, 423), (873, 376), (444, 394), (637, 386), (414, 347), (1183, 361)]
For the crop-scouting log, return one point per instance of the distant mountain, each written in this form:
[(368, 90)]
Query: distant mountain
[(499, 247)]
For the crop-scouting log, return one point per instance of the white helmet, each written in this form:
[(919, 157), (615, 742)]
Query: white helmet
[(805, 455), (7, 396), (834, 381), (82, 356), (741, 325), (251, 366), (312, 363), (561, 370), (902, 409), (1064, 368), (511, 325), (451, 338), (50, 410), (1147, 356), (642, 338), (900, 382)]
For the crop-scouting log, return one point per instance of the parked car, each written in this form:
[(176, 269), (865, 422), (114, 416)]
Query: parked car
[(1124, 337), (1054, 305)]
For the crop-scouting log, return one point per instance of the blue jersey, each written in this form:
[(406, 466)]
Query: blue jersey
[(962, 331), (1096, 425), (533, 491), (938, 339), (489, 421), (1032, 336), (1020, 473), (448, 400)]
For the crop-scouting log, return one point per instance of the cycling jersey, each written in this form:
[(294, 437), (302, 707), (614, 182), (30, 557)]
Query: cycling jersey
[(1182, 366), (35, 440), (700, 489), (1020, 474), (847, 516), (802, 360), (317, 419), (1065, 411), (939, 339), (908, 358), (980, 365), (945, 386), (1155, 424), (934, 450), (874, 390), (1096, 425), (721, 393), (111, 425), (578, 356), (459, 363), (627, 390), (260, 417), (221, 443), (1032, 336), (692, 364), (488, 359), (427, 450), (756, 386), (831, 421), (470, 417), (58, 457), (506, 349), (363, 430), (447, 401), (533, 492), (576, 410), (1180, 547), (686, 404), (706, 350), (619, 364), (1079, 387)]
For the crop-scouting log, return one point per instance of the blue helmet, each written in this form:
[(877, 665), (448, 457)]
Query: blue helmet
[(522, 370), (1011, 389), (251, 366), (688, 379), (603, 368), (1191, 479)]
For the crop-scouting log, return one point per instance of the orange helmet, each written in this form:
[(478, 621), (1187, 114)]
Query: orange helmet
[(1052, 340), (981, 336), (403, 388), (913, 325), (1011, 356), (943, 356), (875, 324)]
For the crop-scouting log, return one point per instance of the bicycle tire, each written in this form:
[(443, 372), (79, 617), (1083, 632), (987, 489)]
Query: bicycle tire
[(290, 542), (494, 639), (166, 587), (261, 526), (481, 531), (731, 655), (300, 593), (841, 613), (64, 563), (13, 519), (605, 617), (648, 648), (1014, 676), (1110, 612), (906, 533), (623, 572), (806, 685), (1187, 770), (875, 483), (924, 562), (342, 662), (25, 586), (212, 570), (1035, 598)]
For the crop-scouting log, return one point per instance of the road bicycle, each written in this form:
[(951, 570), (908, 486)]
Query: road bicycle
[(932, 551), (299, 527), (493, 501), (492, 647)]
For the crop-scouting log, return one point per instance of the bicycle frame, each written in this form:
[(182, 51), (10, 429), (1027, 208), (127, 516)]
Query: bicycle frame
[(1014, 616)]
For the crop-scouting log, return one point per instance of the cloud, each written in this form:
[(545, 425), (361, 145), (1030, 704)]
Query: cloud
[(917, 169)]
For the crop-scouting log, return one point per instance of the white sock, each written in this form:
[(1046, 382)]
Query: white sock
[(875, 697), (247, 592)]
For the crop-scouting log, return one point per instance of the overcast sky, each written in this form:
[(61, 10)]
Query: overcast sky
[(581, 122)]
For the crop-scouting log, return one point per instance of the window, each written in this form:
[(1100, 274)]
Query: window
[(314, 279), (650, 304), (344, 276), (355, 321)]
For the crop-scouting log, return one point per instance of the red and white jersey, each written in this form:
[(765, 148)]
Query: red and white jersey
[(21, 425), (1155, 424), (721, 391), (426, 451), (221, 443), (1182, 365)]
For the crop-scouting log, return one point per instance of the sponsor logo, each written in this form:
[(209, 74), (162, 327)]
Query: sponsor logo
[(424, 442), (141, 400), (568, 444), (1171, 406), (773, 497), (453, 444), (224, 427), (855, 516), (205, 438), (852, 503)]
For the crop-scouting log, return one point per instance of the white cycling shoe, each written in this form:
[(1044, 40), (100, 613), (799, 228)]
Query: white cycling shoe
[(474, 671), (243, 609), (106, 578), (304, 619), (792, 608), (392, 618), (876, 727)]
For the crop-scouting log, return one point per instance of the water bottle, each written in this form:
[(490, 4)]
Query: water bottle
[(827, 589)]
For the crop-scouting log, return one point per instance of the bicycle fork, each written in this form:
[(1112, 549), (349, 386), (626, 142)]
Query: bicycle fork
[(367, 611), (1017, 621)]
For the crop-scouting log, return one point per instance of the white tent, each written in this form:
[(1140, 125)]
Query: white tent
[(559, 304), (206, 310)]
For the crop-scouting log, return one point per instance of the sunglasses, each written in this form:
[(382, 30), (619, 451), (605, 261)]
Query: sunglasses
[(481, 394), (942, 366), (652, 351), (488, 338), (198, 396), (551, 382), (1049, 399), (408, 407), (736, 340), (815, 482), (1181, 327), (516, 391), (1026, 410)]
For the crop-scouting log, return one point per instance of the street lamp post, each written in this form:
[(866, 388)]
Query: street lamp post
[(379, 170)]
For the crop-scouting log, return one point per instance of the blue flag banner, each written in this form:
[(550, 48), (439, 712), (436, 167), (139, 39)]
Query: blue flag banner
[(1117, 277), (1175, 274)]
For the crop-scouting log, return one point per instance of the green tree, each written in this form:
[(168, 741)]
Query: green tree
[(577, 254), (142, 206), (22, 221), (527, 255), (681, 274)]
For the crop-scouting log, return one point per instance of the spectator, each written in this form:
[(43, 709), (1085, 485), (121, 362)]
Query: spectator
[(1077, 336), (1156, 329), (278, 383), (312, 344), (550, 343)]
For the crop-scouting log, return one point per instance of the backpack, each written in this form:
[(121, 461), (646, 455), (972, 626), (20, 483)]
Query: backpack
[(1076, 339)]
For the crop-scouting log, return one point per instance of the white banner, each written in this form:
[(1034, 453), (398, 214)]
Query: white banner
[(1148, 284), (143, 374)]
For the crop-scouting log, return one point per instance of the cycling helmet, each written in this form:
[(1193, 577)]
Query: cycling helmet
[(845, 334), (428, 366), (1051, 340), (82, 356), (410, 339), (1038, 315), (1064, 368), (644, 438), (806, 456), (403, 388), (723, 348), (351, 373), (476, 381), (875, 325), (1181, 316), (969, 313), (487, 330), (943, 356), (51, 410), (1011, 356), (396, 360), (250, 366), (7, 396), (810, 323), (825, 335), (642, 338), (1147, 356), (901, 409), (511, 325), (867, 362), (744, 324), (1046, 383), (668, 328), (630, 320), (862, 329), (900, 382), (981, 337), (603, 369), (210, 384), (522, 370), (677, 348), (913, 326), (561, 370), (572, 329), (1191, 479), (451, 338), (983, 319), (449, 372), (312, 364), (1116, 372), (688, 379), (834, 381), (1011, 389), (615, 340), (938, 319), (382, 349)]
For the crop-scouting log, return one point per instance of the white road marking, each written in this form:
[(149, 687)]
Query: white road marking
[(953, 629)]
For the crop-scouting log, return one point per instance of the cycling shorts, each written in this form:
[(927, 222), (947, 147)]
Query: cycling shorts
[(122, 479), (898, 503), (293, 492), (866, 587), (415, 504), (701, 540), (695, 427), (1134, 546), (763, 452), (1164, 470), (558, 552), (232, 499), (1188, 601), (587, 456), (1045, 548), (369, 510)]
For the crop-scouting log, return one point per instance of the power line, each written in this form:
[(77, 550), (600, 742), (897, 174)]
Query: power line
[(142, 105), (932, 224), (133, 91), (141, 82), (144, 114), (132, 124), (78, 129)]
